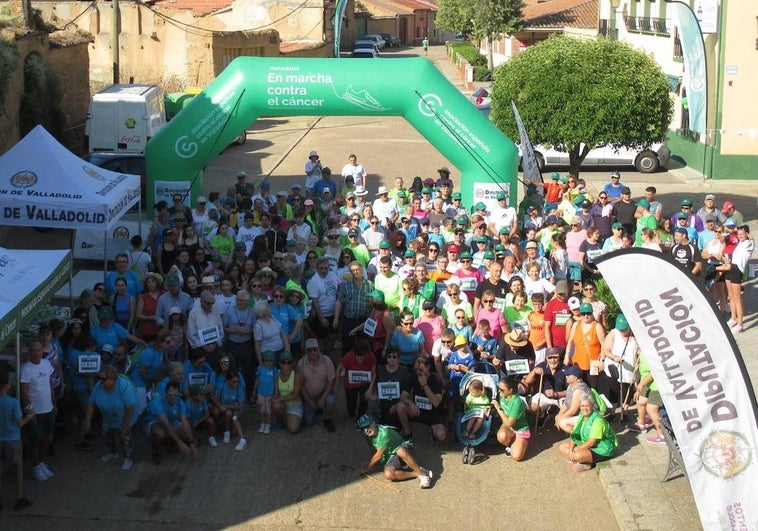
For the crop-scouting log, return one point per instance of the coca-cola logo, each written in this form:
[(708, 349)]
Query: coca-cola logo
[(131, 139)]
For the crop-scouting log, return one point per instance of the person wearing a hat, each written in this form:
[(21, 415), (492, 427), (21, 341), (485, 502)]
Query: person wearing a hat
[(576, 389), (240, 187), (503, 216), (312, 171), (456, 208), (709, 208), (730, 211), (288, 403), (385, 251), (547, 384), (516, 348), (685, 252), (619, 355), (613, 188), (385, 209), (205, 328), (318, 379), (108, 332), (325, 183), (585, 343), (692, 219), (645, 220), (394, 453), (356, 171)]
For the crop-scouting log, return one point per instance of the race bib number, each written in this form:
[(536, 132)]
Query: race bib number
[(89, 364), (198, 378), (369, 328), (308, 306), (500, 304), (562, 318), (358, 377), (208, 335), (388, 390), (422, 402), (517, 367), (473, 414), (468, 284)]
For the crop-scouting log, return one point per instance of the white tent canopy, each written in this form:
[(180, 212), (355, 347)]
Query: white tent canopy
[(43, 184)]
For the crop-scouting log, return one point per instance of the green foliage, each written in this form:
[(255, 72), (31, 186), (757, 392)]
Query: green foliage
[(468, 52), (454, 15), (8, 62), (604, 293), (494, 17), (482, 73), (41, 102), (593, 92)]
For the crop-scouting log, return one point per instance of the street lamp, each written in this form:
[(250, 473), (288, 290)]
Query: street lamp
[(613, 32)]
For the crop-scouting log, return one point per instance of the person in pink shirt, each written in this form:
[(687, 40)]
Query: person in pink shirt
[(574, 239), (470, 277), (488, 312), (430, 324)]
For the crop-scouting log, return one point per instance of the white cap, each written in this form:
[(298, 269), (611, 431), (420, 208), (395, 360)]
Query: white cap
[(311, 343)]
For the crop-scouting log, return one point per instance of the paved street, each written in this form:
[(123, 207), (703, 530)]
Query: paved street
[(306, 481)]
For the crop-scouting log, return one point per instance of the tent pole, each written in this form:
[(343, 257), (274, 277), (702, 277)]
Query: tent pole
[(105, 254), (18, 364)]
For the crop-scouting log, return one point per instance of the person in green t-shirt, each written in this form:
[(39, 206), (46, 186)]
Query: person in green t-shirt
[(592, 439), (514, 434), (393, 452)]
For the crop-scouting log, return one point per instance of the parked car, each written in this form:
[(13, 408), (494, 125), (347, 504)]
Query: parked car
[(375, 37), (647, 160), (391, 41), (120, 162), (365, 53), (366, 43)]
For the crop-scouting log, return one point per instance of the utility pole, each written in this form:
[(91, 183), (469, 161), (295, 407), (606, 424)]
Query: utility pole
[(114, 39)]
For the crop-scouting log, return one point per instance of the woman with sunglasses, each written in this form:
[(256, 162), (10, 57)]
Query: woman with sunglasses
[(287, 316), (116, 399), (310, 264), (713, 253), (455, 302), (585, 343), (488, 312), (287, 403), (408, 340), (332, 248)]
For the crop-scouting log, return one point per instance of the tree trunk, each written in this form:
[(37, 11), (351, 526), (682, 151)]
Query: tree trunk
[(489, 54)]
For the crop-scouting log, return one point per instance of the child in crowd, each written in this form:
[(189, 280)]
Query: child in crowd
[(460, 362), (475, 409), (536, 320), (177, 349), (199, 414), (265, 386), (11, 450), (231, 397), (485, 346), (460, 326)]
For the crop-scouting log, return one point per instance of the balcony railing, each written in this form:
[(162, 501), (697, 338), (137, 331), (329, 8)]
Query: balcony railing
[(658, 26)]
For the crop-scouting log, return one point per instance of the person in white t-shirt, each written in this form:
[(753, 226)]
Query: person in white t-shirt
[(138, 257), (356, 171), (37, 392), (385, 209), (503, 216), (248, 232)]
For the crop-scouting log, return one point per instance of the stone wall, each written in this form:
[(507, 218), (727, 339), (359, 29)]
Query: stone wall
[(71, 64)]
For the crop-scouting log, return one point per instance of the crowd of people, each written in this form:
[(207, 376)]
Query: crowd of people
[(254, 299)]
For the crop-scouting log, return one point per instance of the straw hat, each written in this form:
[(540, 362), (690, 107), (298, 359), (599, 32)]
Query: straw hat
[(516, 338)]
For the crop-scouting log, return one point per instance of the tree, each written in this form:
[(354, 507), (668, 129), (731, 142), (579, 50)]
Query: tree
[(493, 18), (577, 95), (454, 16)]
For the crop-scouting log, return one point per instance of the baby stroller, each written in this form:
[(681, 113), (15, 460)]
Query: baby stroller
[(485, 373)]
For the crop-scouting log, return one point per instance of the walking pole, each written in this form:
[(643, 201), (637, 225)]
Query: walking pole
[(539, 391)]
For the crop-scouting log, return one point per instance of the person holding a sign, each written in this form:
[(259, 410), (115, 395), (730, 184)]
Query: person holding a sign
[(421, 400), (197, 371), (358, 371), (514, 432), (205, 327), (166, 418), (116, 398)]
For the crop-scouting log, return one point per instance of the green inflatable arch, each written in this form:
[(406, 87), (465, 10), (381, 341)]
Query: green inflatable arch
[(413, 88)]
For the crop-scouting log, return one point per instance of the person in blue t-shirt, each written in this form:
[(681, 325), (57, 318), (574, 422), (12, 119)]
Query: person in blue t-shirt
[(199, 414), (231, 403), (265, 387), (116, 398), (107, 332), (461, 360), (197, 370), (11, 449), (166, 418), (148, 366), (485, 345), (175, 374)]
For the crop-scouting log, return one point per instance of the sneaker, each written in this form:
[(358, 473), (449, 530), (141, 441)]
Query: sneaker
[(227, 437), (658, 438), (507, 451), (21, 504), (637, 427), (39, 474), (329, 425), (46, 470), (580, 467), (267, 429), (241, 445), (128, 464), (212, 441), (736, 329), (731, 322), (426, 480), (83, 446), (262, 428), (107, 458)]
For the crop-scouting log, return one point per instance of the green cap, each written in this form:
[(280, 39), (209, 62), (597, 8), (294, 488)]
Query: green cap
[(384, 244), (480, 206), (617, 225), (291, 242), (585, 307), (621, 322), (504, 230), (579, 199), (410, 253), (489, 255), (482, 239), (555, 175), (401, 193), (564, 179), (426, 190), (376, 295), (466, 255), (285, 356), (687, 202), (644, 203), (268, 355), (500, 195), (457, 195), (364, 421), (461, 221), (105, 313)]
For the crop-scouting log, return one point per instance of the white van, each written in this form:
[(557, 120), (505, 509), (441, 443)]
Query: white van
[(123, 118)]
